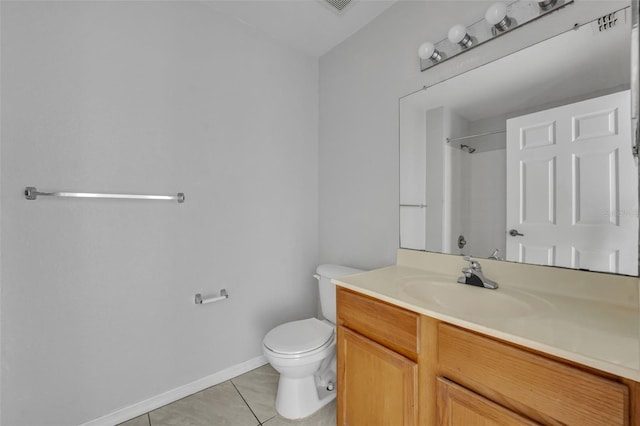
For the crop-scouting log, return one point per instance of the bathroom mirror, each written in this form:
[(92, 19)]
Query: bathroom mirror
[(528, 158)]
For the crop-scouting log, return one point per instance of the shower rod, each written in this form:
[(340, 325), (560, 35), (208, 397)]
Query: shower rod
[(475, 136), (31, 193)]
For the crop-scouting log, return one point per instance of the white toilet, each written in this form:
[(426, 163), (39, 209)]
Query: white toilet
[(304, 353)]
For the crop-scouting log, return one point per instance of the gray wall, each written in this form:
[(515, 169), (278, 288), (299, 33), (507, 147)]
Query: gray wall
[(360, 83), (97, 305)]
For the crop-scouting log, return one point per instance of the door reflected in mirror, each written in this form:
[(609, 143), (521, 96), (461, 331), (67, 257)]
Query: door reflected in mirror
[(528, 158)]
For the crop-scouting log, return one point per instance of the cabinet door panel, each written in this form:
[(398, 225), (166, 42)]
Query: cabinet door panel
[(458, 406), (389, 325), (376, 386)]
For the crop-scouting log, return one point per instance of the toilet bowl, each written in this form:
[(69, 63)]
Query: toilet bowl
[(304, 353), (298, 350)]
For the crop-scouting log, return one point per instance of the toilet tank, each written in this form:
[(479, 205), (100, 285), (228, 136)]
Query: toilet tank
[(327, 290)]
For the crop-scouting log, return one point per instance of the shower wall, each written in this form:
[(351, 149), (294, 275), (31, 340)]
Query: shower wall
[(487, 188), (486, 217), (97, 308)]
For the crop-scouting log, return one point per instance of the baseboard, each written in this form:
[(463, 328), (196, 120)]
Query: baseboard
[(168, 397)]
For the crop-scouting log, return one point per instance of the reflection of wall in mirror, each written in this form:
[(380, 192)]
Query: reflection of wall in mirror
[(412, 179), (455, 200), (435, 219), (474, 186), (487, 188), (464, 193)]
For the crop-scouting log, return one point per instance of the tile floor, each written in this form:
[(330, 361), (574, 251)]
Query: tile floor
[(246, 400)]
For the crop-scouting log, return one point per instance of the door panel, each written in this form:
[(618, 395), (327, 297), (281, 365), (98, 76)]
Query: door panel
[(537, 191), (595, 188)]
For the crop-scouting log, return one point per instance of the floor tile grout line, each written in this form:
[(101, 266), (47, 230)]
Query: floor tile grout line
[(270, 418), (246, 403), (149, 418)]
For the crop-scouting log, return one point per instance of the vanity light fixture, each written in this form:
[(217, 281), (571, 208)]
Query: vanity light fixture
[(500, 18), (427, 50), (496, 15), (458, 34)]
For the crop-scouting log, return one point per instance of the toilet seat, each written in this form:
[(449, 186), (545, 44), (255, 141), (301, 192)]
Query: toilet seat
[(299, 337)]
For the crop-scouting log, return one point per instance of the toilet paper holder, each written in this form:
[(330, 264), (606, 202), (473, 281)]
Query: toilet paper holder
[(200, 301)]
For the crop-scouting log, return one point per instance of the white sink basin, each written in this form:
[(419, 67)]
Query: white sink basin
[(468, 300)]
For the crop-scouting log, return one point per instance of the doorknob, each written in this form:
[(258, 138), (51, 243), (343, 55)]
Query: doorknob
[(515, 233)]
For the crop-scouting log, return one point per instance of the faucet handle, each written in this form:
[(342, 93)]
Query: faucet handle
[(473, 264), (494, 255)]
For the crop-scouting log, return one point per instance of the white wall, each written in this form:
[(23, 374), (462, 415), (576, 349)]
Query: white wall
[(360, 83), (147, 97)]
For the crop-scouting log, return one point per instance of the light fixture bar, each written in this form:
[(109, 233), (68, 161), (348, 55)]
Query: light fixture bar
[(518, 13)]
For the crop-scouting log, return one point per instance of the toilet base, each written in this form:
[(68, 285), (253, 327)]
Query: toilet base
[(300, 397)]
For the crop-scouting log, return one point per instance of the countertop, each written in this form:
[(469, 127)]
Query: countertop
[(601, 334)]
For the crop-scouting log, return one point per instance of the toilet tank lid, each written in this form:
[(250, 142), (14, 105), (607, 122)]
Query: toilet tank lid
[(336, 271)]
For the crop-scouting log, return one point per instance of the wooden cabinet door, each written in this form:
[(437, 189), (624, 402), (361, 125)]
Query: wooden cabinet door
[(458, 406), (540, 388), (376, 386)]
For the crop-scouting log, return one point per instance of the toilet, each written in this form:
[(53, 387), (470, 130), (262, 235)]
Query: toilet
[(304, 353)]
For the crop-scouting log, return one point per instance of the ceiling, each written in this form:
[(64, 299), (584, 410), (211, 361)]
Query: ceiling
[(310, 26)]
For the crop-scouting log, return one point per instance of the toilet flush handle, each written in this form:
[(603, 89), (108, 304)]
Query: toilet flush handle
[(316, 276)]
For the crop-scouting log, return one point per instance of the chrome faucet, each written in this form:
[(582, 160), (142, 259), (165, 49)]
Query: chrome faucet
[(473, 275)]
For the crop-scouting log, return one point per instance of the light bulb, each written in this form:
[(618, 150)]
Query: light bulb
[(458, 34), (428, 51), (497, 16)]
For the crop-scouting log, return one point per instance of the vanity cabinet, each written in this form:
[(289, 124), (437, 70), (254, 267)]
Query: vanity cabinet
[(397, 367), (377, 362)]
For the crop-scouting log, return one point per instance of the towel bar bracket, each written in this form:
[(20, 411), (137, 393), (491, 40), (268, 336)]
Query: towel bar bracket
[(199, 300)]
